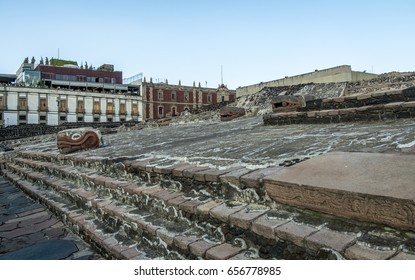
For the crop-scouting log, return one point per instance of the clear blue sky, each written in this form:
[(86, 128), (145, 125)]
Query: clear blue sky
[(189, 40)]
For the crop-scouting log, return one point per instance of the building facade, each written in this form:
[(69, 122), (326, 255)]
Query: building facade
[(71, 77), (163, 100), (30, 105)]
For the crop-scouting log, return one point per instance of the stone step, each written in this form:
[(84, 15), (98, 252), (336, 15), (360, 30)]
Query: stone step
[(133, 221), (279, 232)]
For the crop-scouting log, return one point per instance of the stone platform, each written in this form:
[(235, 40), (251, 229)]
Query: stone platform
[(369, 187)]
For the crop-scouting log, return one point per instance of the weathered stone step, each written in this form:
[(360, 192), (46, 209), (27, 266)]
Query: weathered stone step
[(102, 238), (133, 221), (297, 235)]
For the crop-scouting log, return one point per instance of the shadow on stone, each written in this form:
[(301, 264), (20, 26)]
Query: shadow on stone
[(48, 250)]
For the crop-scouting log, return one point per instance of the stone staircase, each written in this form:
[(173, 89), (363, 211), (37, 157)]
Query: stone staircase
[(375, 106), (144, 208)]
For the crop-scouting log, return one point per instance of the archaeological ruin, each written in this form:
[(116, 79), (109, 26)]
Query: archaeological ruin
[(308, 171)]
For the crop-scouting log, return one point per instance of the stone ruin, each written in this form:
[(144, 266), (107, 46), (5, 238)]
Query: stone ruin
[(72, 140)]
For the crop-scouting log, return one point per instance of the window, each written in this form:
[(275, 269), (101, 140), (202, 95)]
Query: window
[(80, 107), (186, 96), (1, 116), (123, 109), (42, 118), (96, 119), (43, 104), (22, 117), (22, 103), (80, 119), (109, 108), (1, 102), (209, 98), (97, 107), (62, 118), (161, 111), (173, 96), (112, 80), (135, 109), (109, 119), (160, 94), (62, 105)]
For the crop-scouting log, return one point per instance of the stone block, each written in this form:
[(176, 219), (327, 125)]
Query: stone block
[(189, 206), (403, 256), (333, 112), (233, 176), (255, 178), (222, 252), (166, 195), (205, 208), (165, 170), (311, 114), (214, 174), (131, 253), (245, 217), (363, 96), (183, 242), (294, 232), (190, 172), (200, 247), (393, 105), (409, 104), (222, 212), (151, 190), (140, 165), (166, 236), (175, 202), (179, 168), (334, 183), (200, 176), (329, 239), (360, 252), (347, 111)]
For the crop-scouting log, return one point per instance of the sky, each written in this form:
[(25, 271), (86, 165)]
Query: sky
[(189, 40)]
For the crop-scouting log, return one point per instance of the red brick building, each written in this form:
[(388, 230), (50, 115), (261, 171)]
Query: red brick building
[(162, 100)]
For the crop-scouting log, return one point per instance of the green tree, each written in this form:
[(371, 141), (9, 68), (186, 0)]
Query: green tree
[(90, 67), (26, 60), (86, 65), (41, 61), (82, 66), (33, 61), (47, 61)]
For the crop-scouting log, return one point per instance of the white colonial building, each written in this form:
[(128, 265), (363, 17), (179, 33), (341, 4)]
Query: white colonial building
[(31, 105)]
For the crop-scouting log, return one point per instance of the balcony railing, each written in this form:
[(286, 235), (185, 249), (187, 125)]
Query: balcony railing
[(43, 108), (110, 112), (63, 109), (80, 110), (23, 107), (123, 112), (97, 111)]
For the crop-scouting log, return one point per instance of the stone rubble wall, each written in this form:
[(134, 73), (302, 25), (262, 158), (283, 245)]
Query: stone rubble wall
[(377, 106)]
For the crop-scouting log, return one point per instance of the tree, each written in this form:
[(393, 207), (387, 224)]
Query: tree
[(90, 67), (86, 65), (47, 61), (26, 60), (41, 61), (33, 61), (82, 66)]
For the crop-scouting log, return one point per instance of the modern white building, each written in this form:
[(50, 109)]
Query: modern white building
[(31, 105)]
